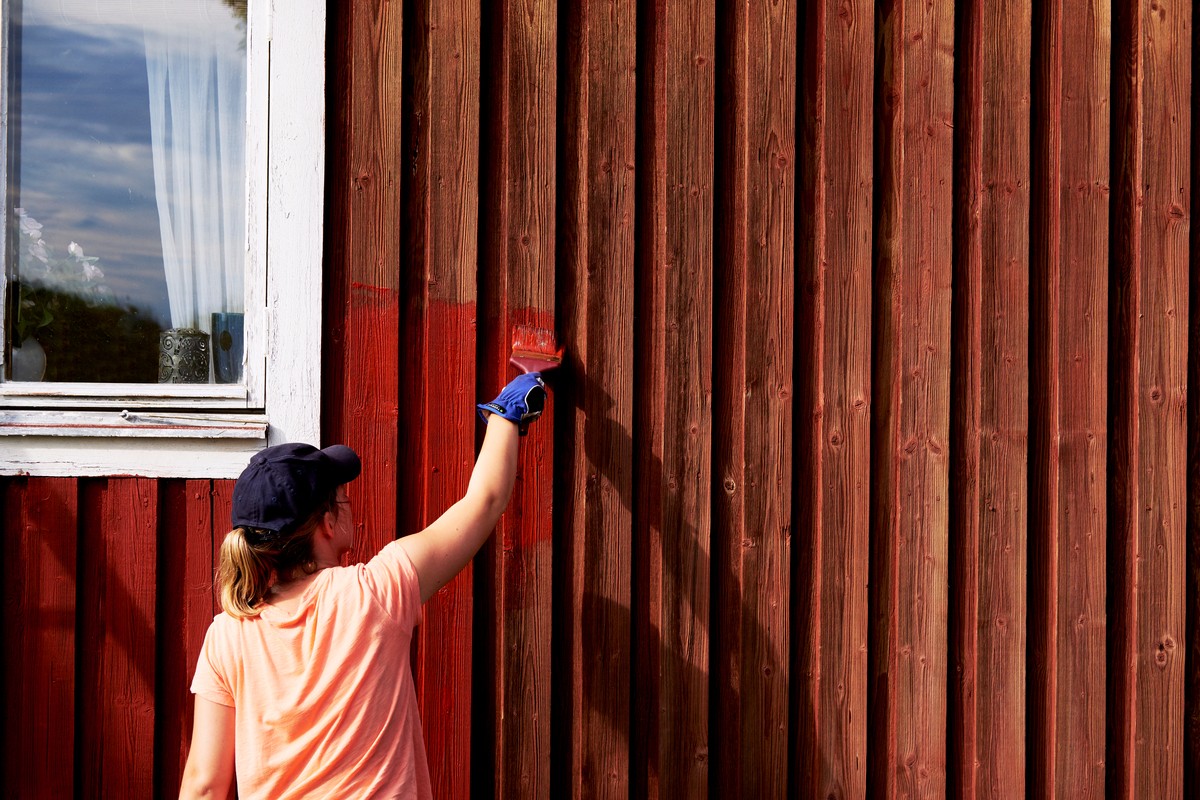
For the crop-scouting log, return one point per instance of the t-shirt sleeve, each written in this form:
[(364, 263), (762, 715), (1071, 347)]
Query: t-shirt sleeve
[(392, 578), (209, 681)]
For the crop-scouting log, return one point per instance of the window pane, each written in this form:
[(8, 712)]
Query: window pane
[(125, 196)]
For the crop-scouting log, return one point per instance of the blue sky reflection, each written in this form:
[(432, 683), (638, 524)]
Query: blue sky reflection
[(83, 167), (83, 164)]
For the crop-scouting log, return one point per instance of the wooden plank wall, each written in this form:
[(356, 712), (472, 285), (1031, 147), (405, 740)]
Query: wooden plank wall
[(872, 470)]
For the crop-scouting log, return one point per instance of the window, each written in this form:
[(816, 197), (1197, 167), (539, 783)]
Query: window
[(161, 310)]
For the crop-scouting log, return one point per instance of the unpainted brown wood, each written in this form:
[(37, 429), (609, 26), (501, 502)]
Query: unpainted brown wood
[(1147, 512), (753, 398), (833, 365), (1191, 733), (441, 191), (1068, 401), (517, 288), (39, 636), (911, 399), (963, 635), (594, 401), (117, 561), (673, 419), (990, 417)]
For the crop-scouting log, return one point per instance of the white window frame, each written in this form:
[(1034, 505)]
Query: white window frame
[(210, 431)]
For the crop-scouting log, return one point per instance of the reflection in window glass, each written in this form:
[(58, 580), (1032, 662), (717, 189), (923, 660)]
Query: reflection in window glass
[(125, 195)]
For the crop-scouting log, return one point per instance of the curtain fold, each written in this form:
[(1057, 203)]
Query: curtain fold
[(197, 94)]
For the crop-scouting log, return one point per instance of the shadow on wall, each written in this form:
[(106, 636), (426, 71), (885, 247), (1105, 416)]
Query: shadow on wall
[(677, 660)]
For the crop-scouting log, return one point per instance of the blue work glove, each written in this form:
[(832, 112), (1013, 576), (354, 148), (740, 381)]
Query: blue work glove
[(521, 401)]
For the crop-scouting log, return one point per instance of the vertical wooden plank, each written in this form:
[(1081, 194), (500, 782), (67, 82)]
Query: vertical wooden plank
[(187, 552), (361, 375), (990, 420), (438, 285), (911, 399), (1152, 129), (833, 366), (117, 577), (40, 539), (673, 416), (1068, 400), (517, 289), (361, 360), (1191, 734), (752, 398), (594, 444)]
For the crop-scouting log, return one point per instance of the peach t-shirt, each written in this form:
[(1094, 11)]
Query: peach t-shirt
[(324, 697)]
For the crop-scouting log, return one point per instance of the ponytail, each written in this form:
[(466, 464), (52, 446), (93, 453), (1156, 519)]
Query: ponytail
[(243, 575), (252, 559)]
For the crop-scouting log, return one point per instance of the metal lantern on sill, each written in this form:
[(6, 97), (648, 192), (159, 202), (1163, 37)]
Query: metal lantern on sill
[(183, 356)]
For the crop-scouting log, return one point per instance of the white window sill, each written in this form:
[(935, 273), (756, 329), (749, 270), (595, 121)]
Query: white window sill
[(133, 424)]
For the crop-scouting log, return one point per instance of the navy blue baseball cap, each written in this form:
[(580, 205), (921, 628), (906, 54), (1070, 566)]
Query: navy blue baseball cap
[(283, 485)]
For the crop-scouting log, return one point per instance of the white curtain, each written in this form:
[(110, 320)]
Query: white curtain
[(197, 132)]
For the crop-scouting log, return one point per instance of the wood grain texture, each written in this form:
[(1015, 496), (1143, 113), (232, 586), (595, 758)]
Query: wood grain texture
[(990, 419), (753, 398), (1068, 400), (117, 635), (441, 119), (363, 306), (295, 230), (1191, 733), (911, 399), (591, 749), (1147, 510), (39, 636), (187, 553), (833, 359), (673, 421), (517, 288)]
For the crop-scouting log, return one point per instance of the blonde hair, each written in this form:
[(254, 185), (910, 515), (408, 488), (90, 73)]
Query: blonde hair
[(252, 559)]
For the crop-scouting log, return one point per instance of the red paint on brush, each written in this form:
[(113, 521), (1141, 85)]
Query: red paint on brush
[(534, 349)]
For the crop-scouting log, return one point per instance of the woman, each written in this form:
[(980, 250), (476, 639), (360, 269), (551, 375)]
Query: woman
[(304, 686)]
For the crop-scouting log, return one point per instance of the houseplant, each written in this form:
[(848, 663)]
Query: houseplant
[(47, 284)]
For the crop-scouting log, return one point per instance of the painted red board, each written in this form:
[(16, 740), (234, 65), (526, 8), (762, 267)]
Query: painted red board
[(361, 380), (911, 399), (185, 610), (117, 636), (1068, 398), (753, 399), (361, 375), (516, 288), (833, 358), (39, 636), (594, 403), (438, 285)]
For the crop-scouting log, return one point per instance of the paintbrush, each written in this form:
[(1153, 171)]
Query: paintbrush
[(534, 349)]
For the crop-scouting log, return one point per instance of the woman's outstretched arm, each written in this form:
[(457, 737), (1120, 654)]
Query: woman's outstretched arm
[(440, 551)]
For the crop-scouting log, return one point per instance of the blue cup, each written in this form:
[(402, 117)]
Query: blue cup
[(227, 346)]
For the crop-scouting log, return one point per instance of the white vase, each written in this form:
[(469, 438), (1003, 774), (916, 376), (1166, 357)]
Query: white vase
[(28, 361)]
